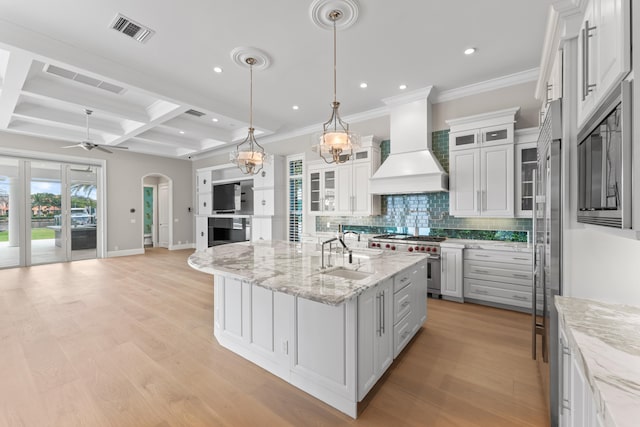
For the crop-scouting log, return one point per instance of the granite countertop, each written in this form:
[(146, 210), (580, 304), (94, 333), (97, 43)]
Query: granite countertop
[(606, 337), (488, 244), (294, 268)]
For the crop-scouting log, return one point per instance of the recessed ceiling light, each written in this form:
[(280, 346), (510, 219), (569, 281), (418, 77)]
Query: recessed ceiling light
[(215, 120), (295, 107), (402, 87), (363, 85), (181, 132), (470, 51), (217, 69)]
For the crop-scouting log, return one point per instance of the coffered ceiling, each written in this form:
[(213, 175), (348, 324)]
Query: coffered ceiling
[(162, 96)]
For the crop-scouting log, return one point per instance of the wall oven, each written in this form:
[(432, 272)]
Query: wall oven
[(604, 163)]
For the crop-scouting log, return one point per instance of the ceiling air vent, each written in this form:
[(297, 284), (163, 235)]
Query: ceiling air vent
[(131, 28), (81, 78), (195, 113)]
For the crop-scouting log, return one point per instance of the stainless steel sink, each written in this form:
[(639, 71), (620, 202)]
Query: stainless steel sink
[(345, 273)]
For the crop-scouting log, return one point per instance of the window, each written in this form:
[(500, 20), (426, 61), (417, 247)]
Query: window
[(295, 192)]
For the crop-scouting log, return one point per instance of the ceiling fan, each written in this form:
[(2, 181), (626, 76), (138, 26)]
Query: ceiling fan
[(88, 145)]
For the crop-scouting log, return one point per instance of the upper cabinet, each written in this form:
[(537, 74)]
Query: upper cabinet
[(526, 151), (604, 53), (481, 165), (343, 189)]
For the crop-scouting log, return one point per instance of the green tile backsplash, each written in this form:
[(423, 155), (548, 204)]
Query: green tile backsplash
[(430, 211)]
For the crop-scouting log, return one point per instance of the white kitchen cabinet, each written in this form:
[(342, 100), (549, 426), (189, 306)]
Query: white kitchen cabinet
[(375, 335), (204, 181), (526, 153), (481, 166), (205, 203), (499, 277), (269, 205), (481, 182), (261, 229), (409, 306), (604, 53), (577, 406), (322, 187), (202, 232), (266, 177), (343, 189), (263, 201), (451, 274)]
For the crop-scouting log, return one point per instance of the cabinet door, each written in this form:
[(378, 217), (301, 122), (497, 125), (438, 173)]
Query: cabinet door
[(329, 190), (261, 229), (493, 135), (464, 185), (564, 356), (464, 139), (202, 233), (264, 178), (263, 202), (204, 203), (420, 289), (343, 189), (204, 181), (368, 333), (361, 199), (497, 181), (315, 196), (384, 353), (613, 40), (587, 70), (451, 272), (526, 163)]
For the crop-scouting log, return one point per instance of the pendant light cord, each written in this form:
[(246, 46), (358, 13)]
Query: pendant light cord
[(334, 61), (251, 94)]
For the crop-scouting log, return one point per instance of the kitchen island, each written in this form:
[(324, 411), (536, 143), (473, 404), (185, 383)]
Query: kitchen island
[(331, 332)]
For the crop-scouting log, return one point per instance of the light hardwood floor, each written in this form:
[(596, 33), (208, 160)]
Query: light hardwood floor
[(129, 342)]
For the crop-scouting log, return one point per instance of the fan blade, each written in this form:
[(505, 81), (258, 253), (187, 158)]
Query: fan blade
[(99, 147), (72, 146), (118, 147)]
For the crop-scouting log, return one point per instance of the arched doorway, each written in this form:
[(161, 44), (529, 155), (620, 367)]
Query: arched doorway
[(157, 211)]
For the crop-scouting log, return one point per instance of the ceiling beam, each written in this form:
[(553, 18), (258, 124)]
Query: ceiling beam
[(161, 112), (15, 76), (61, 118)]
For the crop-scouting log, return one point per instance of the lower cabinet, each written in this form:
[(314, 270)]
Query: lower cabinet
[(504, 278), (451, 274), (335, 353), (375, 335), (577, 405), (202, 232)]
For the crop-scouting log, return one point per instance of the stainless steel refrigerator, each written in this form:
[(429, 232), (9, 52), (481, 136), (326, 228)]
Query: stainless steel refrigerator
[(547, 237)]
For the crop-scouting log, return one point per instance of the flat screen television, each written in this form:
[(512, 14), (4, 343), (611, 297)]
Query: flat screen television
[(226, 197)]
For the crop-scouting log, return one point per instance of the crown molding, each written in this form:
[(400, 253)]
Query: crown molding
[(405, 98), (486, 86)]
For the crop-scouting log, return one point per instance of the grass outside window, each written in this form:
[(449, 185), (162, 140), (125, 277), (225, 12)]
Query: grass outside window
[(36, 234)]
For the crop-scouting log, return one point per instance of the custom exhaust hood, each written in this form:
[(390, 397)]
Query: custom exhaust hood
[(411, 166)]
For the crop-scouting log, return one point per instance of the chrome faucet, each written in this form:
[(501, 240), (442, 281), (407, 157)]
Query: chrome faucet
[(344, 246), (352, 232)]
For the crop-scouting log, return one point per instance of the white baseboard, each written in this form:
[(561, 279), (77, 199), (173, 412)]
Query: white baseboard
[(182, 246), (127, 252)]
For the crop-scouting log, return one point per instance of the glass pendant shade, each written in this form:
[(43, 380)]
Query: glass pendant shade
[(336, 141), (249, 156)]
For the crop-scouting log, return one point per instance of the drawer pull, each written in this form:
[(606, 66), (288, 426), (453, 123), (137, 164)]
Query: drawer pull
[(482, 271), (483, 256), (521, 276), (404, 304), (405, 334), (404, 279), (522, 259), (520, 297), (481, 291)]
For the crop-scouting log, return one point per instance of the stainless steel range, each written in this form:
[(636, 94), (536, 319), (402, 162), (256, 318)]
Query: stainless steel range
[(429, 245)]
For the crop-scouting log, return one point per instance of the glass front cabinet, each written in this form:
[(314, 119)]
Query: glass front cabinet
[(322, 183), (526, 163)]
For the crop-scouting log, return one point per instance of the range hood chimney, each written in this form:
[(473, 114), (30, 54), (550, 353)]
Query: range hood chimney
[(411, 166)]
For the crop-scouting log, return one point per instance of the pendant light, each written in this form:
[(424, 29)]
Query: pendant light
[(336, 141), (249, 156)]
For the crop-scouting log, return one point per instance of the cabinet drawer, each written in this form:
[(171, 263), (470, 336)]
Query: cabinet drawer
[(485, 290), (498, 256), (204, 203), (497, 272), (402, 303), (401, 334), (401, 280)]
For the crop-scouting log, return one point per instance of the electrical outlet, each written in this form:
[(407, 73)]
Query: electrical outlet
[(133, 220)]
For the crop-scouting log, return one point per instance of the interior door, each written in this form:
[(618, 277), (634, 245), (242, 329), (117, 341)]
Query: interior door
[(163, 215)]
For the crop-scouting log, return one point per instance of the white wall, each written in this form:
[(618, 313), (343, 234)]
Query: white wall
[(124, 188), (601, 263)]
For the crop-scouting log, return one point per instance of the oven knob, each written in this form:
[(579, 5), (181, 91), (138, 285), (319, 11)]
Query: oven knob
[(422, 249), (378, 245), (410, 249), (393, 248), (417, 248), (429, 249), (387, 246)]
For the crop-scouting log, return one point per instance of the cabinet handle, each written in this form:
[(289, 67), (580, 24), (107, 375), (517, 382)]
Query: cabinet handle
[(379, 329), (481, 291), (404, 279), (564, 402), (383, 312), (549, 88), (483, 256), (520, 297), (587, 87), (522, 259), (479, 199), (482, 271), (204, 181), (202, 233), (404, 304), (520, 276), (264, 202), (204, 204), (405, 334)]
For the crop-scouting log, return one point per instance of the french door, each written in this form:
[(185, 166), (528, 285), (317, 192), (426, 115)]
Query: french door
[(49, 212)]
